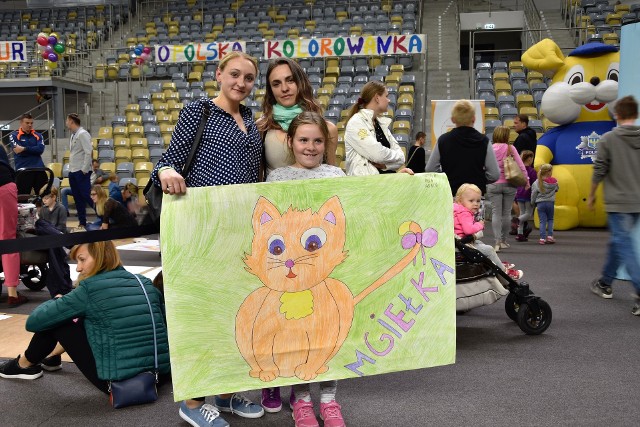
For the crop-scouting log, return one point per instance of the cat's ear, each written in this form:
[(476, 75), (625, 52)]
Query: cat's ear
[(264, 212), (332, 211)]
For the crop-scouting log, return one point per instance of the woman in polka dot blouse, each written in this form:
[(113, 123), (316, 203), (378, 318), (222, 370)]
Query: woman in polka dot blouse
[(288, 93), (229, 153)]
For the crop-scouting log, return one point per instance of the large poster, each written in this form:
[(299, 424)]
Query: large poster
[(441, 117), (275, 284), (13, 51)]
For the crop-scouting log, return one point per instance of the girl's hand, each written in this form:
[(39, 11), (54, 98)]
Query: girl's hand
[(104, 226), (481, 221), (172, 182)]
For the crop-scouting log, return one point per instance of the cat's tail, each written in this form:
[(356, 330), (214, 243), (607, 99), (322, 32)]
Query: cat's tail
[(414, 239)]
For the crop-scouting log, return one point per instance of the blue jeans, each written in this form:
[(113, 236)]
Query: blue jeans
[(545, 212), (622, 251), (63, 198), (80, 184)]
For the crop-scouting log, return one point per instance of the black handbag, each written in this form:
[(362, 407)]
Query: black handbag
[(141, 388), (153, 194)]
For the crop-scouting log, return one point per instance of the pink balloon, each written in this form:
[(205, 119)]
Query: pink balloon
[(42, 41), (146, 50), (144, 56)]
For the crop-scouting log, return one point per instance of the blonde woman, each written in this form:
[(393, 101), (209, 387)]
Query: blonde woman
[(112, 213), (501, 194)]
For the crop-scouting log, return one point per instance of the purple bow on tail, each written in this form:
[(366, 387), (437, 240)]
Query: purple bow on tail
[(427, 238)]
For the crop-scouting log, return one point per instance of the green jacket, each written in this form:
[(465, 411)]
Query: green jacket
[(117, 322)]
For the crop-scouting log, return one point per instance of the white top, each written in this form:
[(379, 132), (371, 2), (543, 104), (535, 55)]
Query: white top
[(291, 173)]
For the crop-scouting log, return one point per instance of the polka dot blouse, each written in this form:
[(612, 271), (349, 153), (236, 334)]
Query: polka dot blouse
[(226, 155)]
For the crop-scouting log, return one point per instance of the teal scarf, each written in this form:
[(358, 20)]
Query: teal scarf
[(284, 115)]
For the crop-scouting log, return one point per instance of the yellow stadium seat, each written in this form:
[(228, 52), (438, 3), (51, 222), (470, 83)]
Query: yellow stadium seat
[(133, 119), (524, 100), (105, 132), (121, 141), (108, 167), (140, 154), (132, 108), (402, 127), (139, 142), (531, 112), (120, 130), (194, 76), (142, 170), (136, 131), (65, 157), (166, 129), (163, 117), (123, 155), (56, 168)]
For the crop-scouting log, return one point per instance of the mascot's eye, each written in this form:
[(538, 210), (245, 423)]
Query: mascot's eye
[(313, 239), (612, 75), (576, 78), (276, 244)]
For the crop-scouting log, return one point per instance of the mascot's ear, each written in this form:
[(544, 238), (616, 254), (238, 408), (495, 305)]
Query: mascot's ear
[(543, 56)]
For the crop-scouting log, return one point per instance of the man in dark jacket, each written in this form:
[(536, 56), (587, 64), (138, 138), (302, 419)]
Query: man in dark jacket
[(464, 154), (617, 163), (28, 146), (527, 138)]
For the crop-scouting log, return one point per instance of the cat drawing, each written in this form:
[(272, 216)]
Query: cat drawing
[(297, 322)]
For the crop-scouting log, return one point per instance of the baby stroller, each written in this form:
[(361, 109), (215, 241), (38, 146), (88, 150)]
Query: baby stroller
[(34, 266), (480, 282)]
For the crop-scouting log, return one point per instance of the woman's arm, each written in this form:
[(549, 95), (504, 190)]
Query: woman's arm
[(57, 311), (363, 141), (492, 169), (433, 165)]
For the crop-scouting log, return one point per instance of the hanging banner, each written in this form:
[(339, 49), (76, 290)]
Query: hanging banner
[(196, 52), (13, 51), (404, 44), (281, 283)]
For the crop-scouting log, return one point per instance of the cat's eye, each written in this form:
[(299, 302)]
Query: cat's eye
[(313, 239), (276, 244)]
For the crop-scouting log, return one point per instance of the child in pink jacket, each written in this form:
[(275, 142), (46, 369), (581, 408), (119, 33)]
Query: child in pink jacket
[(465, 207)]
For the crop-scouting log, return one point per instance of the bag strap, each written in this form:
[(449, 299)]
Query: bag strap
[(196, 142), (153, 322)]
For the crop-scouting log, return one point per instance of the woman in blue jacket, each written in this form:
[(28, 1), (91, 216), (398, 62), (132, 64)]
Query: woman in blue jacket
[(104, 324)]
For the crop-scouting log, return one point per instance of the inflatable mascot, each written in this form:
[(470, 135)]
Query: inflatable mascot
[(583, 84)]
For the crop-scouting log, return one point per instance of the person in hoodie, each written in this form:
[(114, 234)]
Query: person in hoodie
[(501, 193), (53, 212), (616, 165), (464, 154), (527, 138), (543, 197), (465, 209)]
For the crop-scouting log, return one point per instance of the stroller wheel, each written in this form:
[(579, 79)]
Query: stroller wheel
[(34, 277), (534, 323), (511, 306)]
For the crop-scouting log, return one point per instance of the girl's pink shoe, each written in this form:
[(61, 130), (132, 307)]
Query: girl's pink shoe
[(551, 240), (303, 414), (330, 413)]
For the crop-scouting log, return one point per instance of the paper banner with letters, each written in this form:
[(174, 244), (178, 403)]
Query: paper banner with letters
[(13, 51), (274, 284), (197, 52)]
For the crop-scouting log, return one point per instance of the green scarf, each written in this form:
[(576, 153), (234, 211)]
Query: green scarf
[(284, 115)]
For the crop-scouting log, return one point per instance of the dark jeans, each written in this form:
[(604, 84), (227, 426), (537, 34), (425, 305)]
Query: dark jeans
[(545, 213), (33, 181), (80, 184), (72, 336), (622, 250)]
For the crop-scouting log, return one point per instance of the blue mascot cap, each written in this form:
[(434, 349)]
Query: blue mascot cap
[(593, 48)]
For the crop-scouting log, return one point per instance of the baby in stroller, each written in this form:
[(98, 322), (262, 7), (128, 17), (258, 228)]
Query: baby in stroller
[(466, 207)]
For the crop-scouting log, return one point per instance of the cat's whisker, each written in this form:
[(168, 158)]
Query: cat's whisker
[(305, 257), (277, 266), (304, 263)]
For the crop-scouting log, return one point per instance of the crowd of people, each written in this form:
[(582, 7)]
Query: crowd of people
[(290, 141)]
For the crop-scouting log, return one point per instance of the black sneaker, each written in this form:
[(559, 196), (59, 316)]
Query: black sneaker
[(11, 369), (601, 289), (52, 363)]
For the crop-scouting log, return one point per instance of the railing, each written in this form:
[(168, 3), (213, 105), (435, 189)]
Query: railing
[(42, 120), (531, 22), (469, 6)]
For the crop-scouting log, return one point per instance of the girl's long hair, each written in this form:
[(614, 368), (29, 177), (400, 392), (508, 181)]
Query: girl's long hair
[(544, 172), (102, 198), (367, 93), (304, 98)]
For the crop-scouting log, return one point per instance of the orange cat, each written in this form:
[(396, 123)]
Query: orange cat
[(299, 319)]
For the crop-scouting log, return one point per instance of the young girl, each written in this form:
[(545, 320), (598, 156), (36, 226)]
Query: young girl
[(53, 211), (543, 196), (466, 205), (306, 139), (523, 198)]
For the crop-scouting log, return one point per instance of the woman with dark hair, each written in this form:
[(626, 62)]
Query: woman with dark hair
[(370, 147), (107, 342), (288, 93)]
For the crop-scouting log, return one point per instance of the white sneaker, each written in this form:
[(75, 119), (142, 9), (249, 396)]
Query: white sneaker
[(504, 245), (78, 229), (497, 247)]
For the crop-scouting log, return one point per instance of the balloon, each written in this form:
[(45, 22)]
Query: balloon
[(146, 50), (139, 61), (59, 48), (42, 41), (45, 55), (53, 40), (48, 49), (51, 65), (144, 56), (137, 51), (43, 34), (53, 57), (140, 46), (54, 35)]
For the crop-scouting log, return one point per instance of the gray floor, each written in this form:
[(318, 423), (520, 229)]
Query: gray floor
[(582, 371)]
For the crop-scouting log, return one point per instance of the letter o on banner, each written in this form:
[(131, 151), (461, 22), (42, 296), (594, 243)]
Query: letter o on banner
[(314, 47), (288, 48), (338, 46), (163, 53), (189, 52)]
